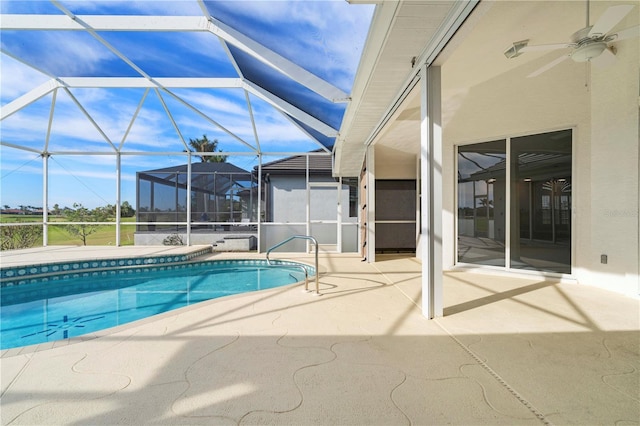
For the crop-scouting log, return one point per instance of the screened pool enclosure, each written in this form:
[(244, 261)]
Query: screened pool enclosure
[(223, 199), (235, 209), (100, 101), (221, 193)]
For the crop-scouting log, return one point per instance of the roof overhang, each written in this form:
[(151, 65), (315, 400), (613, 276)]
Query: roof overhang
[(403, 35)]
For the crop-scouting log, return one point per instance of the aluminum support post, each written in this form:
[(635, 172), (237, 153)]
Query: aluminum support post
[(431, 189)]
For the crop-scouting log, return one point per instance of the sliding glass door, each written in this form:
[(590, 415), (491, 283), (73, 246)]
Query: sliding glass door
[(481, 203), (541, 202), (529, 229)]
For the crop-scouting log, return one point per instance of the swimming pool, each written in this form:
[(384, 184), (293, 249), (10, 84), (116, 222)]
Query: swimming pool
[(53, 307)]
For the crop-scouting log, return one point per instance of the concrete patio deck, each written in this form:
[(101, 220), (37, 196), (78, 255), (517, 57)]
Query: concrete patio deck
[(508, 351)]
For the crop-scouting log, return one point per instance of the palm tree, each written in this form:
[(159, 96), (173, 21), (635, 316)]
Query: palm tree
[(205, 145)]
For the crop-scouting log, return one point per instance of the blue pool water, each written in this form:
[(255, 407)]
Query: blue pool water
[(53, 308)]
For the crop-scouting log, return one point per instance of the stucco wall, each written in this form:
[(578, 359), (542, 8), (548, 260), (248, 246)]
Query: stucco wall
[(289, 199), (601, 106), (615, 159), (289, 205), (394, 165)]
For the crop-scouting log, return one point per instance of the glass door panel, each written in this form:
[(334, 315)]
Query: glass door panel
[(541, 202), (481, 203)]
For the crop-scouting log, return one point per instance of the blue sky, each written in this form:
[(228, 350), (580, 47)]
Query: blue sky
[(324, 37)]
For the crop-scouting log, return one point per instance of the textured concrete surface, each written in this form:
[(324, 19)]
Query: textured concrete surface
[(508, 351)]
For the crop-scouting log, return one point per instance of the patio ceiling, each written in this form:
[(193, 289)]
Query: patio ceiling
[(384, 114), (259, 76)]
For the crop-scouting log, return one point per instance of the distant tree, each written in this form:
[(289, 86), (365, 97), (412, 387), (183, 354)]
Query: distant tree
[(79, 213), (126, 210), (7, 206), (109, 210), (205, 145), (56, 209)]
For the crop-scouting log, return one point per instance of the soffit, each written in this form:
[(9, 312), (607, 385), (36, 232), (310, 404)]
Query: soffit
[(407, 28)]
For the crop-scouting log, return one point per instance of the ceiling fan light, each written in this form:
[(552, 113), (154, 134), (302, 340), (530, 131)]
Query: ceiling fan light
[(514, 50), (588, 51)]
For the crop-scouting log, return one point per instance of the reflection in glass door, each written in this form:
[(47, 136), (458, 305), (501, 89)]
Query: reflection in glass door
[(481, 203), (535, 227), (541, 202)]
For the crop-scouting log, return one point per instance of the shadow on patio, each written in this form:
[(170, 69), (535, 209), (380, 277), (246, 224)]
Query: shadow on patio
[(509, 351)]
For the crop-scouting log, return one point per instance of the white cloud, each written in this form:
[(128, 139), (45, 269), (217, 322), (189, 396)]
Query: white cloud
[(148, 7), (338, 40), (325, 37), (15, 162), (16, 79), (64, 53), (230, 103), (25, 129)]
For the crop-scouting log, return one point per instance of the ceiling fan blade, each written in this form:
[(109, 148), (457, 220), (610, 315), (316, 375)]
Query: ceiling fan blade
[(545, 47), (548, 66), (628, 33), (610, 18), (605, 59)]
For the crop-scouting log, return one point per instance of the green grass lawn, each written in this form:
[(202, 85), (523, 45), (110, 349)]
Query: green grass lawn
[(58, 235), (11, 218)]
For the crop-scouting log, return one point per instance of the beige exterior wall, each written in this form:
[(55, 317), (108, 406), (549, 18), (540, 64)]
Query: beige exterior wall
[(613, 169), (399, 166), (601, 106)]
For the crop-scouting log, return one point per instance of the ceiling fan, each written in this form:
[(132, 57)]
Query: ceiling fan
[(587, 44)]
